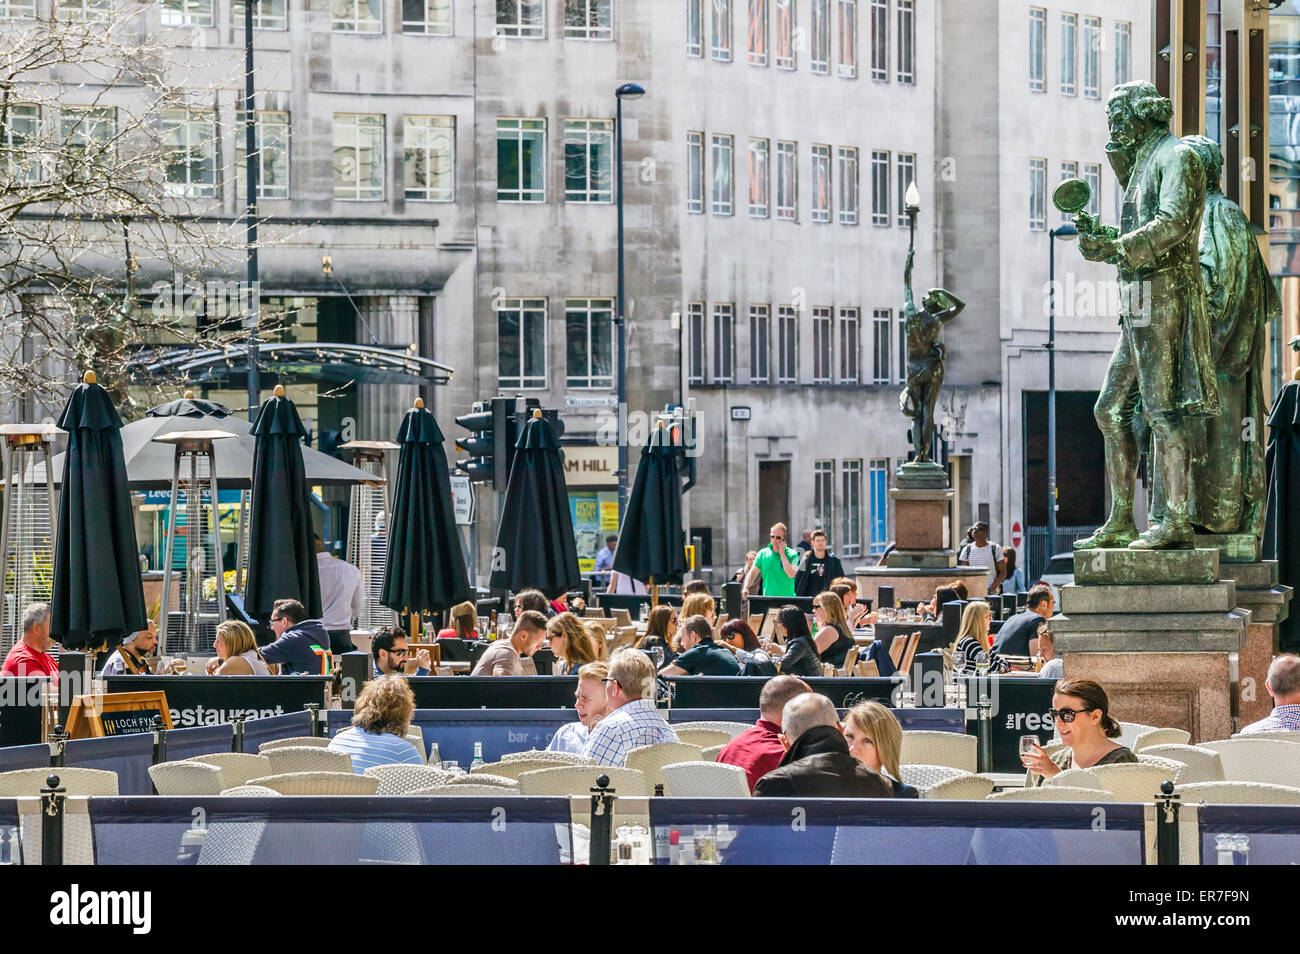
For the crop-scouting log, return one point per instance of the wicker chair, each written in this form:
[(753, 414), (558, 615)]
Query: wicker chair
[(415, 735), (1136, 783), (1076, 778), (1279, 734), (76, 781), (1199, 765), (240, 791), (466, 791), (1130, 731), (482, 779), (516, 767), (187, 778), (319, 783), (702, 737), (297, 740), (651, 759), (559, 758), (960, 787), (237, 767), (1270, 761), (402, 779), (711, 753), (293, 758), (921, 776), (1160, 737), (927, 747), (705, 780), (581, 779), (1054, 793), (732, 729), (1238, 793)]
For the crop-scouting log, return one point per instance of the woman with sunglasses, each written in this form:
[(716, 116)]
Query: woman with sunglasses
[(800, 657), (660, 629), (1080, 711)]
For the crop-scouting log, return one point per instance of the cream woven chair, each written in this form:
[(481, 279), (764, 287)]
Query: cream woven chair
[(711, 753), (467, 791), (415, 735), (515, 768), (652, 758), (319, 783), (732, 729), (1280, 735), (1270, 761), (1200, 765), (1130, 731), (401, 779), (1238, 793), (705, 780), (581, 779), (1160, 737), (559, 758), (483, 779), (960, 786), (187, 778), (921, 776), (1054, 793), (297, 740), (294, 758), (243, 790), (702, 737), (75, 781), (1135, 783), (927, 747), (1076, 778), (237, 767)]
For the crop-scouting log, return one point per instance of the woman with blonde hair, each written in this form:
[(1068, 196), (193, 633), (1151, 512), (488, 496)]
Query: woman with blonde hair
[(973, 639), (876, 740), (700, 604), (237, 652), (379, 724), (568, 639), (834, 632), (464, 622), (661, 631)]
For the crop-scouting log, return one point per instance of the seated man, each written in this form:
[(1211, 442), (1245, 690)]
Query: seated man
[(1052, 667), (1283, 684), (379, 723), (502, 657), (30, 656), (633, 720), (298, 639), (389, 653), (817, 762), (701, 655), (758, 749), (591, 705), (1019, 634), (131, 658)]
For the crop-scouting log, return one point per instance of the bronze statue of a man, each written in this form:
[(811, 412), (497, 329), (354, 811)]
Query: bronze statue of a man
[(1162, 361), (923, 327)]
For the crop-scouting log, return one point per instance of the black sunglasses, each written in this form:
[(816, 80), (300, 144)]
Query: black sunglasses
[(1067, 715)]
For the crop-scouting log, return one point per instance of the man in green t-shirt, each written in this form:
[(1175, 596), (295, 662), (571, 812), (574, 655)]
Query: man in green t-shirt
[(776, 563)]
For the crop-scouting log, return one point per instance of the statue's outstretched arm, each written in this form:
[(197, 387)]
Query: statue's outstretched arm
[(908, 301)]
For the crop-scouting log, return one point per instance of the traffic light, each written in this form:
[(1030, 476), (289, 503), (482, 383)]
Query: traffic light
[(479, 444), (505, 433)]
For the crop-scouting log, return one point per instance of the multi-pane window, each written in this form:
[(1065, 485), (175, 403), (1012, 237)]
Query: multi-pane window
[(429, 158), (519, 18), (1069, 170), (823, 334), (787, 180), (1069, 49), (882, 325), (589, 19), (21, 132), (879, 478), (190, 144), (723, 193), (724, 333), (850, 325), (821, 183), (78, 10), (87, 136), (357, 16), (428, 17), (906, 163), (1037, 49), (695, 332), (906, 42), (695, 27), (760, 321), (358, 156), (850, 541), (695, 172), (588, 342), (722, 30), (758, 32), (1092, 176), (190, 13), (589, 160), (848, 158), (1123, 39), (759, 178), (784, 39), (1091, 56), (819, 53), (848, 35), (274, 14), (1038, 194), (787, 341), (880, 39), (521, 342), (17, 9), (521, 160), (823, 493), (272, 132), (879, 187)]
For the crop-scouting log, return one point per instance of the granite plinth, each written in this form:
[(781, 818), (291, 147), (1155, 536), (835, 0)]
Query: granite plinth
[(1146, 566), (921, 475), (1232, 547), (1259, 576), (921, 559), (1217, 597), (1150, 632), (1253, 659)]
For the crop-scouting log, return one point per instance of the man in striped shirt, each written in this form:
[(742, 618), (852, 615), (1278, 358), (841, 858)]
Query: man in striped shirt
[(633, 720), (379, 724), (1283, 685)]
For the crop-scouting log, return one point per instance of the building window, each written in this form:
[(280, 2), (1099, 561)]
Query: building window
[(759, 179), (785, 51), (759, 347), (722, 30), (849, 334), (87, 137), (190, 142), (589, 19), (879, 187), (429, 158), (787, 181), (1038, 194), (1091, 57), (880, 40), (588, 342), (272, 131), (427, 17), (1123, 36), (694, 27), (821, 183), (186, 13), (1037, 49), (906, 42), (274, 15), (519, 18), (1092, 176), (823, 335), (521, 342), (906, 162), (758, 32), (1069, 50), (22, 133), (356, 16), (695, 172), (819, 54), (848, 17), (589, 160), (521, 160), (879, 477), (83, 11), (848, 157), (358, 156), (17, 9), (1069, 170), (695, 329), (850, 541), (723, 198), (787, 335), (882, 324), (724, 333), (823, 494)]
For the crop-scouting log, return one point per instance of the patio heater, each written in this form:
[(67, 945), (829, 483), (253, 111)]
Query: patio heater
[(27, 526), (367, 527)]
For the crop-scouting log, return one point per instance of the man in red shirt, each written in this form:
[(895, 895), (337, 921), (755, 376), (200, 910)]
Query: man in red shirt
[(31, 656), (759, 750)]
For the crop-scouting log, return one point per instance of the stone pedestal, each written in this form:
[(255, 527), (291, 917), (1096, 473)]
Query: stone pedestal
[(1269, 602)]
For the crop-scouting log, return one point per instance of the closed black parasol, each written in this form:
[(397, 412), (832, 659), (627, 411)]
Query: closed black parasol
[(1282, 526), (650, 543), (98, 598)]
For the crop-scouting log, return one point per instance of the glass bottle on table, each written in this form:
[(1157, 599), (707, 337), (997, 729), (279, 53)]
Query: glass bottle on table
[(478, 756)]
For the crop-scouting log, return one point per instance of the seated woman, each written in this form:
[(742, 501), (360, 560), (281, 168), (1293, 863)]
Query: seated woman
[(737, 635), (934, 609), (800, 657), (660, 631), (834, 632), (973, 639), (464, 622), (1081, 712), (568, 639), (876, 740), (379, 723), (846, 588), (700, 604), (591, 705), (237, 652)]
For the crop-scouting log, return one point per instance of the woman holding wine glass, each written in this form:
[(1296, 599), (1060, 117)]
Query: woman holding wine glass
[(973, 643), (1080, 710)]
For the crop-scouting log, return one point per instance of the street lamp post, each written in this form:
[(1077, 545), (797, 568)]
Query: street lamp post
[(626, 91), (250, 213), (1065, 233)]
